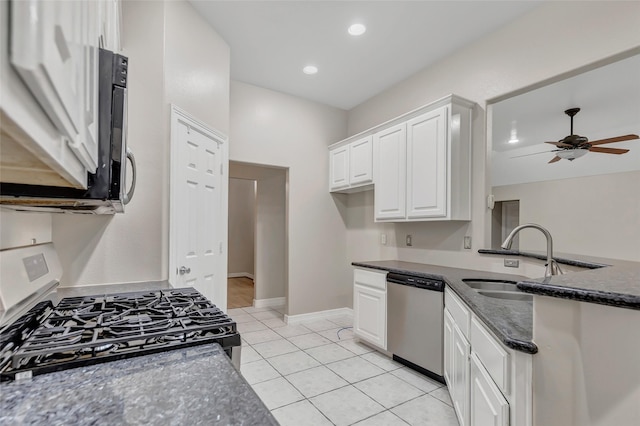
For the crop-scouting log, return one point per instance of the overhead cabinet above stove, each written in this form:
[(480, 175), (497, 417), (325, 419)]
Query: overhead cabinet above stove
[(49, 86), (421, 163)]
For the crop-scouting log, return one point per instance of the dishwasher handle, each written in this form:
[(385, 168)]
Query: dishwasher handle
[(418, 282)]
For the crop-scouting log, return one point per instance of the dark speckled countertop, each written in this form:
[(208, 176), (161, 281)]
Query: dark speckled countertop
[(194, 386), (606, 282), (510, 320)]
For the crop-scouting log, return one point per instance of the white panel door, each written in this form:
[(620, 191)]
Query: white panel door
[(370, 310), (390, 173), (339, 168), (427, 165), (361, 161), (488, 406), (460, 379), (195, 208)]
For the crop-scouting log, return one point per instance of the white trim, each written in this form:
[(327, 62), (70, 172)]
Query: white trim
[(240, 275), (264, 303), (330, 313)]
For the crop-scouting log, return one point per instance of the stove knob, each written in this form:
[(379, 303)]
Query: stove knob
[(184, 270)]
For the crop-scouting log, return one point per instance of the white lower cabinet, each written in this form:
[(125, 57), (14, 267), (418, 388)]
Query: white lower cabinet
[(489, 384), (370, 307), (488, 407), (460, 375)]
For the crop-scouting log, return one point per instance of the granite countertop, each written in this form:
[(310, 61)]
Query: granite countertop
[(510, 320), (195, 386), (606, 282)]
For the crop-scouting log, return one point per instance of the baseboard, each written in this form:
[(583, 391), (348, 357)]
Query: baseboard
[(240, 275), (265, 303), (330, 313)]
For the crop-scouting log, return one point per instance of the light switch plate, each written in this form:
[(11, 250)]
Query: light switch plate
[(409, 243)]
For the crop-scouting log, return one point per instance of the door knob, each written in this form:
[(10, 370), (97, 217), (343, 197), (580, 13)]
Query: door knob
[(184, 270)]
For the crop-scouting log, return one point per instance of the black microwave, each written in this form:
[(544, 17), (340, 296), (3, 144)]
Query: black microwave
[(106, 191)]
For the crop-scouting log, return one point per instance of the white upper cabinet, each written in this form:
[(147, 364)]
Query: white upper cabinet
[(339, 168), (49, 85), (423, 164), (351, 165), (110, 24), (390, 153), (361, 161), (427, 165), (419, 164)]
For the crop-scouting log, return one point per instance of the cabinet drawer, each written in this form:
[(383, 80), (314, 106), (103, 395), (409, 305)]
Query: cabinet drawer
[(458, 311), (491, 354), (370, 278)]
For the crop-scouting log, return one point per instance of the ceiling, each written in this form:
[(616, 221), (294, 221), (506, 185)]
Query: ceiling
[(271, 41), (608, 98), (609, 102)]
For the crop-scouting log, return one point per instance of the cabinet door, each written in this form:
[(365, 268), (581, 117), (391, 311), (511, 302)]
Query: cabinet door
[(339, 168), (110, 24), (390, 173), (49, 49), (361, 161), (460, 376), (370, 315), (488, 406), (427, 165), (448, 349)]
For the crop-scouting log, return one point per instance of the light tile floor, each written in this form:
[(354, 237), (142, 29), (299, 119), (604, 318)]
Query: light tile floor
[(315, 374)]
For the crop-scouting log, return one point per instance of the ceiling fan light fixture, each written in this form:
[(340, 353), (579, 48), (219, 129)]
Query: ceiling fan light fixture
[(571, 154)]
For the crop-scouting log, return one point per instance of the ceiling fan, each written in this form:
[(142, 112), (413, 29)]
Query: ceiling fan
[(575, 146)]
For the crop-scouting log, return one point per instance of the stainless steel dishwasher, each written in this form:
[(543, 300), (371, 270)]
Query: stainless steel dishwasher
[(415, 315)]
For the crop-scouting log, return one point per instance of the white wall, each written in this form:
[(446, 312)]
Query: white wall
[(242, 224), (592, 215), (533, 48), (272, 128), (172, 51), (271, 249)]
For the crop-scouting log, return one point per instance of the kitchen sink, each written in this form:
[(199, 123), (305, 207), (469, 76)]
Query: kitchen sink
[(497, 289), (507, 295), (482, 284)]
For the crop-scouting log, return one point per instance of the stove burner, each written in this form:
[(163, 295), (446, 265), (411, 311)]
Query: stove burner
[(88, 330)]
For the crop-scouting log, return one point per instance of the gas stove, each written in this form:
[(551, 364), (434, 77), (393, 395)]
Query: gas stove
[(87, 330)]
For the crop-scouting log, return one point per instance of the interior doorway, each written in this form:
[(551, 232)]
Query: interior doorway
[(265, 281), (241, 259)]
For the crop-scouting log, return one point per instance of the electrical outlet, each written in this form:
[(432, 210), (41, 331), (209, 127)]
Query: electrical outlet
[(467, 242), (511, 263), (383, 239), (409, 243)]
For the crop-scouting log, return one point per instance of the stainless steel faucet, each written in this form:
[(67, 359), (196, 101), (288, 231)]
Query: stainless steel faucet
[(552, 266)]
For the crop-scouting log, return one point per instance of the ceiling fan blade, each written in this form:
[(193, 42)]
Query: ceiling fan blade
[(554, 159), (560, 144), (608, 150), (616, 139), (535, 153)]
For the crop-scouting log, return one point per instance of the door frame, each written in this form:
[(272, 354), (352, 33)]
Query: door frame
[(180, 115)]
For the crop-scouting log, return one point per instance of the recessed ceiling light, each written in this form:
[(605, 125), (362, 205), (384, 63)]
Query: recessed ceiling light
[(357, 29), (310, 69)]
